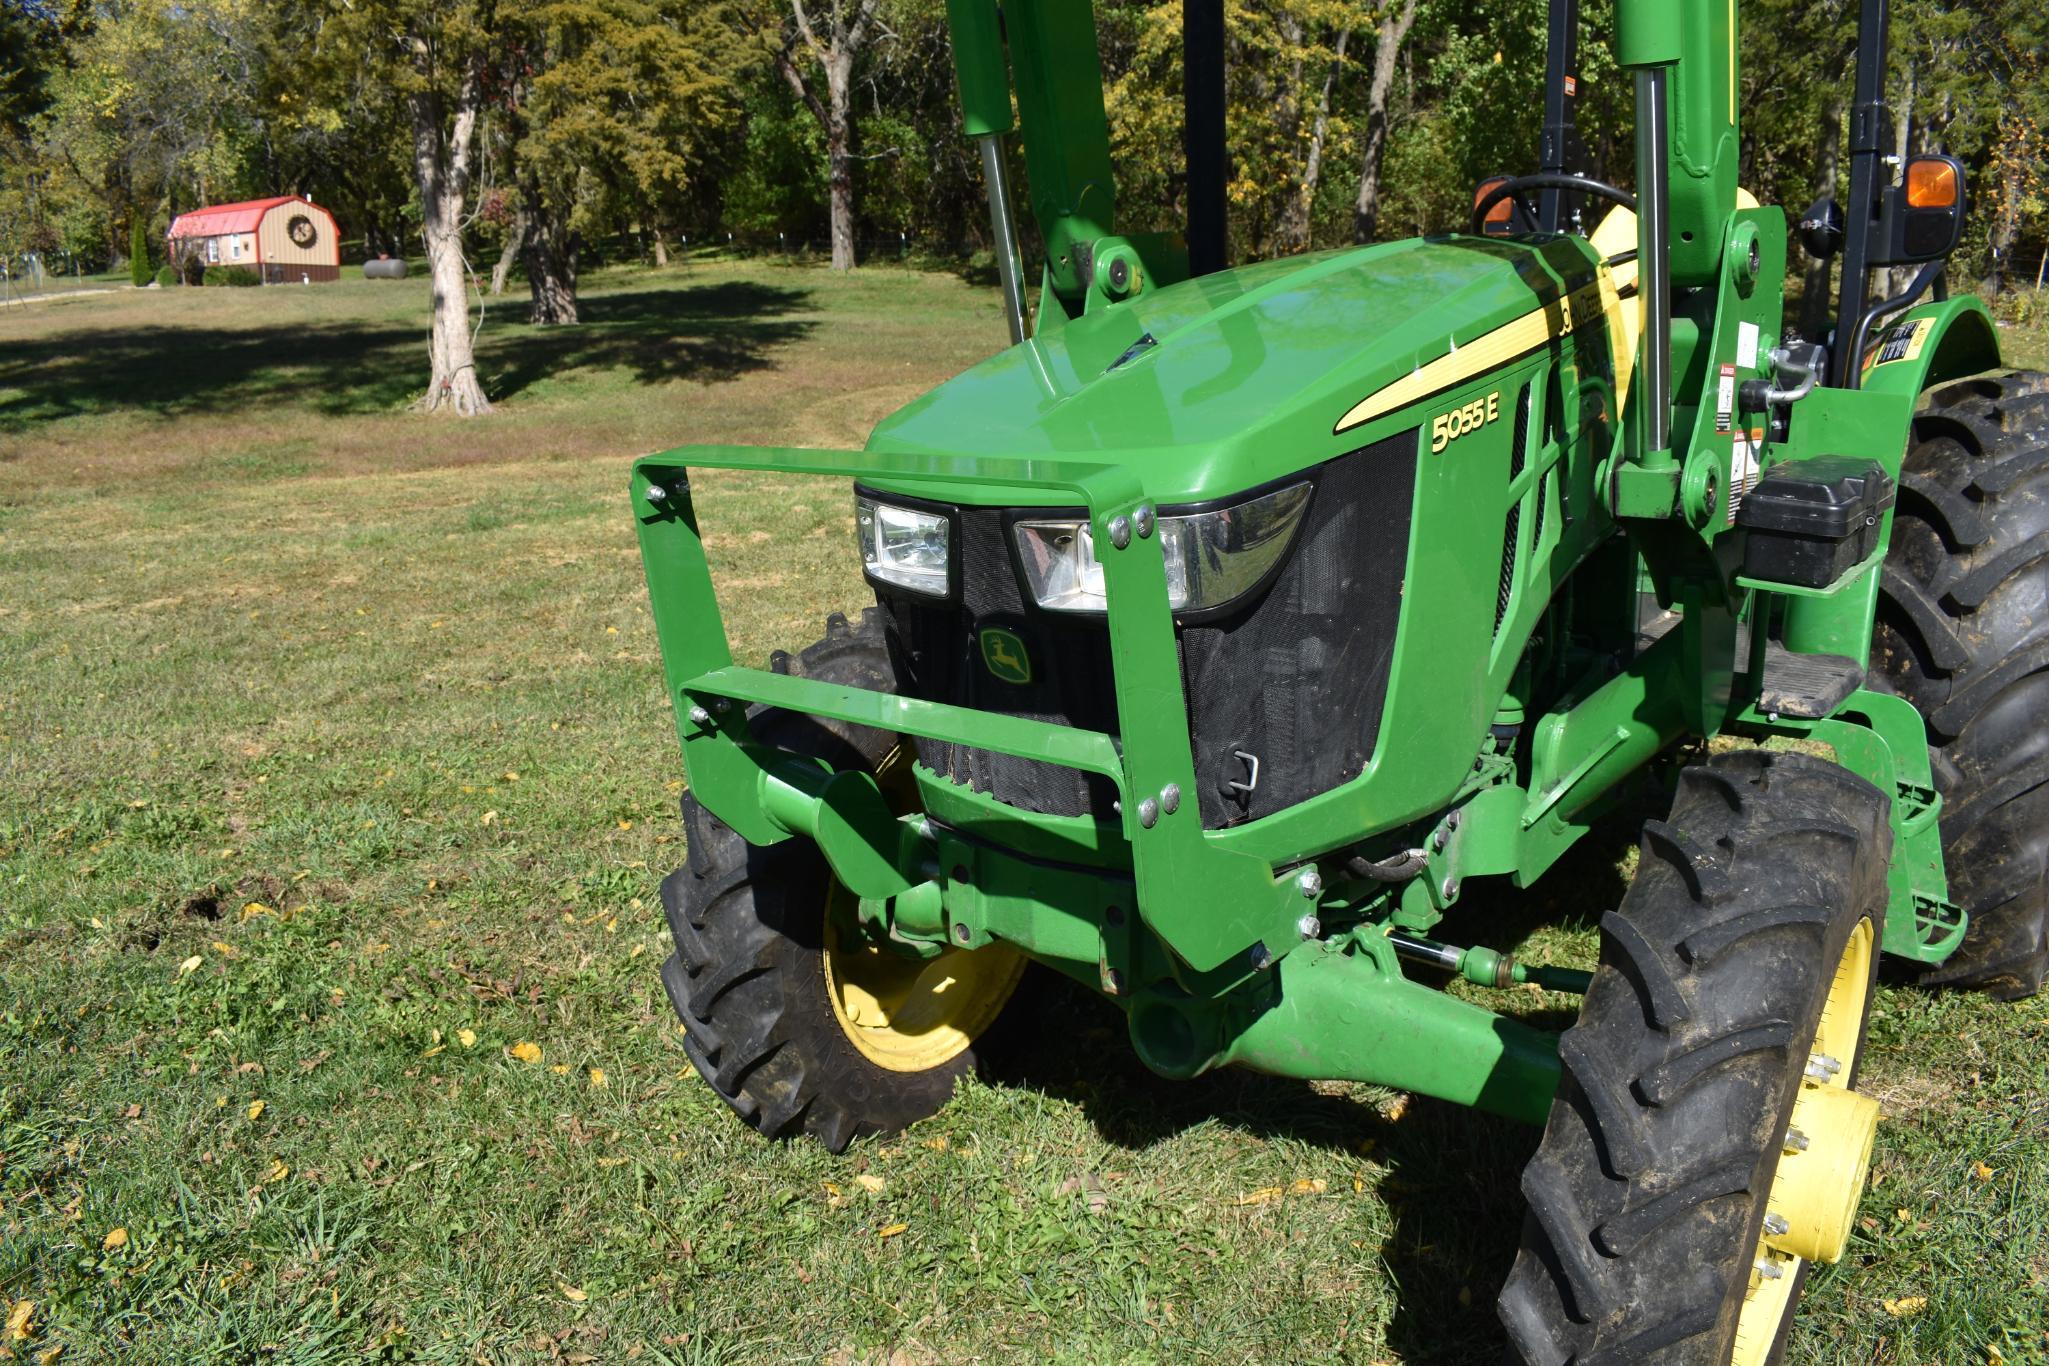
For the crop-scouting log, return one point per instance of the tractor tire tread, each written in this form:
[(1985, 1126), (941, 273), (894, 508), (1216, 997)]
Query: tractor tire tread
[(1662, 1119), (1961, 636)]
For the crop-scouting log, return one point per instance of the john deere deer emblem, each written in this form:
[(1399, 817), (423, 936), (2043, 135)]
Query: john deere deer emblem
[(1005, 656)]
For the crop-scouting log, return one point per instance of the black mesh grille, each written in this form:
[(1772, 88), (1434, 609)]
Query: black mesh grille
[(1519, 446), (1296, 677), (936, 649), (1537, 524)]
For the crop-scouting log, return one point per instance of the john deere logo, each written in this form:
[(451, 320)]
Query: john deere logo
[(1005, 655)]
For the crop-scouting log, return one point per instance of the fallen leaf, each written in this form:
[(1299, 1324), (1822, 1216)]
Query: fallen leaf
[(1396, 1108), (890, 1230), (255, 1110), (1315, 1185), (190, 965), (570, 1292), (115, 1240), (466, 1037), (488, 818), (937, 1145), (1981, 1171), (133, 1111), (225, 949), (598, 1078), (525, 1052), (560, 1069), (18, 1319), (437, 1048), (833, 1198), (278, 1172), (625, 825), (256, 908), (1907, 1306), (872, 1184), (1261, 1196), (509, 776), (49, 1355)]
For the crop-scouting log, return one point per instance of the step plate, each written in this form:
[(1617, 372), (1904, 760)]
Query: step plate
[(1806, 686)]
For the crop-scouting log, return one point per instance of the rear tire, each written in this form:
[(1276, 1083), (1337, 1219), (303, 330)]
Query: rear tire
[(1756, 903), (1963, 633), (749, 975)]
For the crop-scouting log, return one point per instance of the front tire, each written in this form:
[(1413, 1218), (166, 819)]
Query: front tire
[(1746, 946), (1963, 634), (794, 1022)]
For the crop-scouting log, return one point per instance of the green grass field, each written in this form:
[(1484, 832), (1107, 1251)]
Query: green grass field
[(334, 767)]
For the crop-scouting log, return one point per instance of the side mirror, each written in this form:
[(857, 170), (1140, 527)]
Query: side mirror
[(1923, 217), (1821, 229)]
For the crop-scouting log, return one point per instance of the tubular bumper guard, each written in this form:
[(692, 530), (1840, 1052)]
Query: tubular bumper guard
[(1215, 908)]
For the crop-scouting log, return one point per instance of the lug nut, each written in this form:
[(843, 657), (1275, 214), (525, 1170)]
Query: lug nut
[(1775, 1225), (1120, 531), (1796, 1142), (1148, 812), (656, 493), (1310, 883), (1822, 1068), (1310, 927), (700, 715), (1769, 1268)]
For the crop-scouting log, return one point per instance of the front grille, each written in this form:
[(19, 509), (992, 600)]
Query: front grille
[(1295, 677)]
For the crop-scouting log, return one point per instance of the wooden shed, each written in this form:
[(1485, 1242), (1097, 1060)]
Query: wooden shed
[(286, 240)]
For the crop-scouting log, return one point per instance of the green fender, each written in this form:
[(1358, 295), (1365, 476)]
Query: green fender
[(1932, 344)]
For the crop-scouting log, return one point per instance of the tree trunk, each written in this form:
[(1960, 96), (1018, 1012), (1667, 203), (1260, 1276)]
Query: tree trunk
[(1294, 233), (515, 237), (661, 250), (441, 157), (549, 254), (1394, 27), (1814, 280), (839, 151), (834, 55)]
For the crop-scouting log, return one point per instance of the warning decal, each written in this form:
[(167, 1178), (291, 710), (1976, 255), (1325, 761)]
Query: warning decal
[(1903, 342), (1743, 462), (1725, 399)]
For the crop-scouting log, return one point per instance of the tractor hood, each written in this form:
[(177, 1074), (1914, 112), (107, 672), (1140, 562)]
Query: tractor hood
[(1218, 383)]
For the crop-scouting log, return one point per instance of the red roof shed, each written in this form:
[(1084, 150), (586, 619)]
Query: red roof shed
[(285, 240)]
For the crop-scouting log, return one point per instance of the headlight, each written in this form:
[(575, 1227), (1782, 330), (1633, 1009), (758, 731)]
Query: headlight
[(903, 546), (1212, 557)]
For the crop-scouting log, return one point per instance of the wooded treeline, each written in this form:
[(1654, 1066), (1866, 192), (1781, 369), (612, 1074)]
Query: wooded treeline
[(500, 137)]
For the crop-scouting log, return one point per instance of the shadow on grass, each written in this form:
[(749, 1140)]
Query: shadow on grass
[(1451, 1175), (669, 332)]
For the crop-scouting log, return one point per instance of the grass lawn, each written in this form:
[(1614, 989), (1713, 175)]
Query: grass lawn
[(334, 767)]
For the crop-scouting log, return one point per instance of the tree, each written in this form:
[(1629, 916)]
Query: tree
[(444, 59), (138, 253), (803, 58), (1395, 23)]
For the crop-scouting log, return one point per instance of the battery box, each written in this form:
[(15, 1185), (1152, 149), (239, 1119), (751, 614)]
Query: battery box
[(1809, 521)]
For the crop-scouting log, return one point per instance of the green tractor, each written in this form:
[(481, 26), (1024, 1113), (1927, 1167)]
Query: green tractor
[(1231, 622)]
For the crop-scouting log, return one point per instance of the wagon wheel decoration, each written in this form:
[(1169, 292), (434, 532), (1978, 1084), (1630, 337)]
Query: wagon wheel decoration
[(301, 230)]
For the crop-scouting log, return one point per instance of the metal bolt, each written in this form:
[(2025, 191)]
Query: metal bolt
[(1450, 889), (656, 493), (1775, 1225), (963, 933), (1143, 518), (1451, 821), (1821, 1067), (1260, 959), (700, 716), (1769, 1268), (1148, 812), (1309, 882), (1438, 838), (1796, 1142), (1170, 798), (1309, 927), (1120, 531), (1113, 982)]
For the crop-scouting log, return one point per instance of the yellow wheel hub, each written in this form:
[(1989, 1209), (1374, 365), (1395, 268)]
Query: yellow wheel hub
[(1823, 1158), (911, 1014)]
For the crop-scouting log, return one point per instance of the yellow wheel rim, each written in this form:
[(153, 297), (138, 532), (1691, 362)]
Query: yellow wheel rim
[(911, 1014), (1823, 1157)]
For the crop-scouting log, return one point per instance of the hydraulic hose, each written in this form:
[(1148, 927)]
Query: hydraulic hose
[(1399, 868)]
